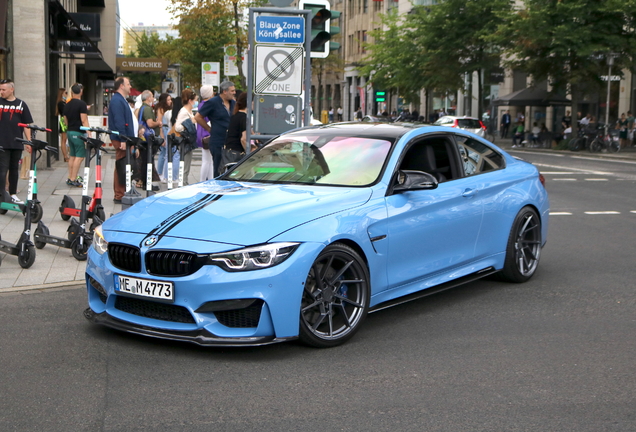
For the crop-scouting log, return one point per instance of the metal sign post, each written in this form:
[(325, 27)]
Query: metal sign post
[(278, 41)]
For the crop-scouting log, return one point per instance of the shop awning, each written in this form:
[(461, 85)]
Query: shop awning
[(532, 96), (79, 43)]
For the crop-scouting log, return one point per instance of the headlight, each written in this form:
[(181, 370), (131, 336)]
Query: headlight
[(99, 243), (253, 257)]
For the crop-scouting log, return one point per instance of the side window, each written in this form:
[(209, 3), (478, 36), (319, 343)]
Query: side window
[(430, 156), (477, 157)]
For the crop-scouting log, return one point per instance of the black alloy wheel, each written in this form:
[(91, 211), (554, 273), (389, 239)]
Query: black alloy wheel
[(335, 297), (524, 247)]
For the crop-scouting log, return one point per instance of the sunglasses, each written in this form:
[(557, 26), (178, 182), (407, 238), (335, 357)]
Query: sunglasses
[(6, 81)]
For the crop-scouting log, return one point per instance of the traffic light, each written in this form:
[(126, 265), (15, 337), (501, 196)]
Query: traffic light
[(334, 30), (320, 23)]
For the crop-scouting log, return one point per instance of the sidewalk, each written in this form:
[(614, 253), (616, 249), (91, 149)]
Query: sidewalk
[(55, 267), (628, 153)]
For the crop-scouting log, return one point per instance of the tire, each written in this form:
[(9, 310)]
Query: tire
[(29, 258), (335, 297), (524, 247), (595, 146), (3, 211), (42, 231), (67, 202), (101, 214), (78, 250), (575, 144), (37, 213), (614, 147)]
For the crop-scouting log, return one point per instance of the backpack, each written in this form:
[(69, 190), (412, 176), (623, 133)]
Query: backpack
[(142, 123)]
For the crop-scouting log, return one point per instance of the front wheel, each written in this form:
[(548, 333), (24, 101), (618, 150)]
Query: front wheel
[(524, 247), (335, 297), (36, 213), (78, 250), (575, 144), (614, 147), (28, 258)]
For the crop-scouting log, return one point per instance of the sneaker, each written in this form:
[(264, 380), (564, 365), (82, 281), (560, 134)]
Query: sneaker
[(79, 179), (69, 182), (16, 200)]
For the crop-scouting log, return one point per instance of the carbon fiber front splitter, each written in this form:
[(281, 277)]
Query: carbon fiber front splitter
[(200, 337)]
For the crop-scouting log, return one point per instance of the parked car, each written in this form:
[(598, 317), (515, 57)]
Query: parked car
[(469, 124), (307, 235)]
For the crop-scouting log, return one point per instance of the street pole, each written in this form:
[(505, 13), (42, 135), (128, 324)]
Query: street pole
[(610, 61)]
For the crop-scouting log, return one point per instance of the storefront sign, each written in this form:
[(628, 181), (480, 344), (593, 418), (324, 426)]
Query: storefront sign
[(131, 64)]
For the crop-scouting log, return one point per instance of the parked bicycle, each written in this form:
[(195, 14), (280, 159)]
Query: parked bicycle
[(584, 138), (609, 142)]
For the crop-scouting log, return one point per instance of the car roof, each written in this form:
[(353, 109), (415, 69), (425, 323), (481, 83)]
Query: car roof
[(370, 129)]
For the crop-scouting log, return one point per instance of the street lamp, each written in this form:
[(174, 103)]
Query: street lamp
[(610, 62)]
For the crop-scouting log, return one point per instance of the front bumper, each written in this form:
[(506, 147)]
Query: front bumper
[(200, 337), (189, 318)]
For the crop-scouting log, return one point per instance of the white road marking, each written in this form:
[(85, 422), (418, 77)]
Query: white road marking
[(559, 173), (563, 179), (633, 211), (602, 212), (596, 179), (579, 170), (560, 214), (604, 160)]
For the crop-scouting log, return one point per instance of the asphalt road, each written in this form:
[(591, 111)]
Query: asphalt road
[(555, 354)]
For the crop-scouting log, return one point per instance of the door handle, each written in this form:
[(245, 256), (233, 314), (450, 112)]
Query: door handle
[(469, 193)]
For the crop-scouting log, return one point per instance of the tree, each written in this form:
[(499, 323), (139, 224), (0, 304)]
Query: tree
[(433, 47), (147, 47), (568, 42), (320, 67)]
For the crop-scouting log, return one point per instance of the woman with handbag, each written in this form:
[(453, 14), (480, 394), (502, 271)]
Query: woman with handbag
[(203, 138), (188, 99), (236, 146)]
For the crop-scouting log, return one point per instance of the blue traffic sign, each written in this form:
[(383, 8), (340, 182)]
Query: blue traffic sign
[(280, 29)]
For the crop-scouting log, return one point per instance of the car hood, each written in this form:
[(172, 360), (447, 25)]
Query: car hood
[(234, 213)]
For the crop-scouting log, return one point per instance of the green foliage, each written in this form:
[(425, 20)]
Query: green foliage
[(147, 47), (432, 47)]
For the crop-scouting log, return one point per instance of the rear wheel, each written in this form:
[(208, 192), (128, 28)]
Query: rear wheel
[(575, 144), (614, 147), (67, 202), (595, 146), (41, 230), (524, 247), (335, 298), (36, 213)]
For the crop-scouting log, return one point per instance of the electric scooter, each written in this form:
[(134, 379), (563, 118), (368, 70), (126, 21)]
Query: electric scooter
[(132, 196), (95, 208), (79, 239), (169, 149), (24, 248), (151, 147), (36, 208)]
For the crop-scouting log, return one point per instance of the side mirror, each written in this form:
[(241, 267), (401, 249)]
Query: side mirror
[(408, 180)]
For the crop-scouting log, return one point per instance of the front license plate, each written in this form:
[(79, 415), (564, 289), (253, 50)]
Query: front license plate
[(144, 287)]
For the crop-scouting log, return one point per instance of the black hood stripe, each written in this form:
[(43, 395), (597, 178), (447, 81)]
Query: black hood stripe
[(176, 218)]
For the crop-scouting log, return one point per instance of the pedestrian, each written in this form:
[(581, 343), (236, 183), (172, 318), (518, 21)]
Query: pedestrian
[(188, 100), (630, 128), (237, 130), (621, 125), (359, 114), (149, 117), (76, 116), (566, 121), (330, 115), (518, 135), (62, 94), (340, 112), (162, 109), (13, 111), (505, 124), (203, 138), (120, 119), (218, 110)]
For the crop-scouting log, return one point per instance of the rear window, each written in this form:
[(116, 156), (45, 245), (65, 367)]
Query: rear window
[(468, 123)]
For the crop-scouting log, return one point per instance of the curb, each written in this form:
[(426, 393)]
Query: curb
[(31, 289)]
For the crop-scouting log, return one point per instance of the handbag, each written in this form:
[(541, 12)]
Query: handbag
[(205, 142), (229, 156)]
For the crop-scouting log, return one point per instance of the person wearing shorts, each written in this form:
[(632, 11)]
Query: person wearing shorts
[(76, 116)]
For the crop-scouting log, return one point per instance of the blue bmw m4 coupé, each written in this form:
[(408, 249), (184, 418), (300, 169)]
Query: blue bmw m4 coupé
[(306, 236)]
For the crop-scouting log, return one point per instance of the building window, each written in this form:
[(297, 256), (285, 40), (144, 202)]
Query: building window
[(365, 6), (364, 40)]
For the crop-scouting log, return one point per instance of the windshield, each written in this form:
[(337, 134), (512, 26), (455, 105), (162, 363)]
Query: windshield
[(316, 159)]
